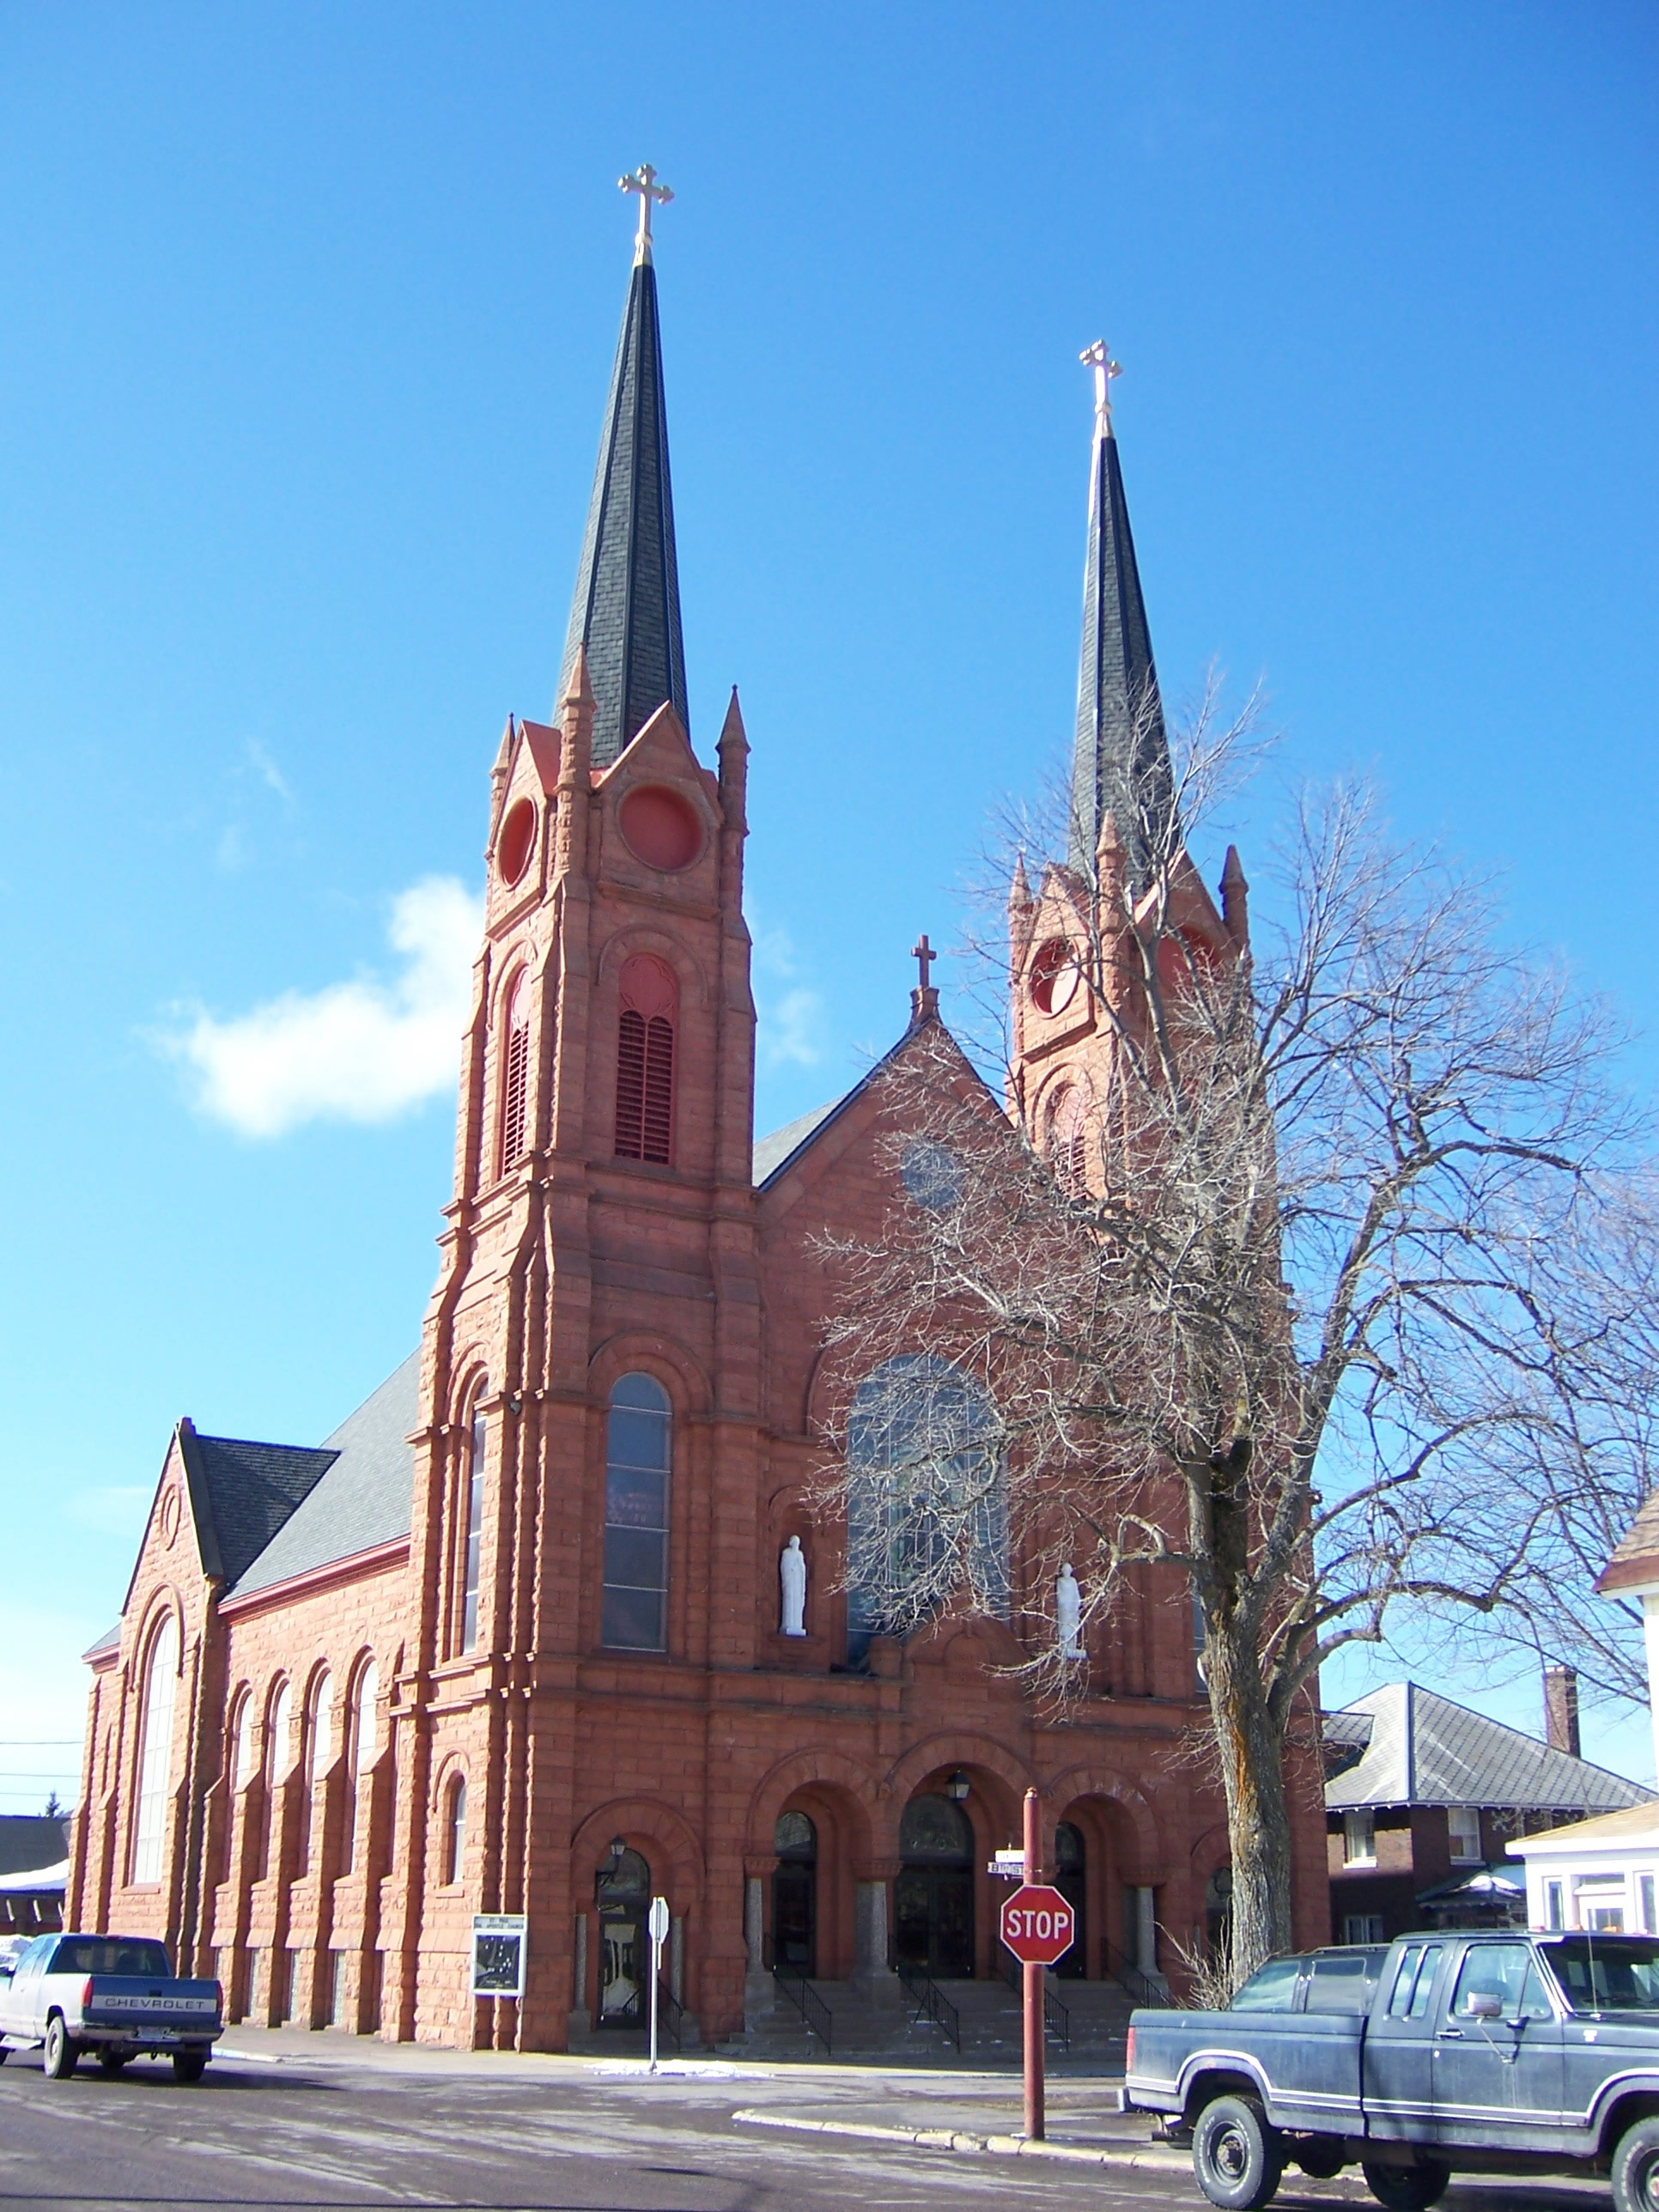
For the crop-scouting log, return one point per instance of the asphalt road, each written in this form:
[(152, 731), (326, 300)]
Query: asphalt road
[(344, 2136)]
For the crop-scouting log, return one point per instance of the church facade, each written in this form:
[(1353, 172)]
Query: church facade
[(547, 1627)]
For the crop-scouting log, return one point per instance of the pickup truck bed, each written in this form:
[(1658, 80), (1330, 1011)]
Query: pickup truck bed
[(1447, 2052)]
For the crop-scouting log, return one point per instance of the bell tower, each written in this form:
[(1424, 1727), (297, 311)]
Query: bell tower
[(599, 1247)]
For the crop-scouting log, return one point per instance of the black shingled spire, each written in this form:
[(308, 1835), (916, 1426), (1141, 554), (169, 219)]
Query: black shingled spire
[(1121, 762), (627, 607)]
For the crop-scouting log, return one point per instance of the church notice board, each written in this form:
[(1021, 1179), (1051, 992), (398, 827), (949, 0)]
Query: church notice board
[(498, 1947)]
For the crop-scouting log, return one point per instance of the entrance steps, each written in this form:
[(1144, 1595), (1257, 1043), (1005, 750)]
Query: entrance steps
[(879, 2019)]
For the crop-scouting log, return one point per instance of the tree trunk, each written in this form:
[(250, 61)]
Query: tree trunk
[(1252, 1754)]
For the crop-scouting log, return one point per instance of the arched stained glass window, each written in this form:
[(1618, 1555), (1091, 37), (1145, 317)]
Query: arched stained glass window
[(638, 1448), (644, 1060), (515, 1073), (474, 1493), (927, 1512), (155, 1752)]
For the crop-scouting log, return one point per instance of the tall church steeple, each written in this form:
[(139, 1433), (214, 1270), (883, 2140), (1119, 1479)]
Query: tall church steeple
[(1121, 760), (627, 605)]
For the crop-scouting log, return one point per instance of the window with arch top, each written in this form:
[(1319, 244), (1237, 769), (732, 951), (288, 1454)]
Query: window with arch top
[(155, 1752), (644, 1060), (639, 1441), (473, 1494), (1066, 1141), (455, 1830), (515, 1073)]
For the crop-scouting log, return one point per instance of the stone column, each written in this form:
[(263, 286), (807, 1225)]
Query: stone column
[(876, 1980), (581, 2021), (760, 1993)]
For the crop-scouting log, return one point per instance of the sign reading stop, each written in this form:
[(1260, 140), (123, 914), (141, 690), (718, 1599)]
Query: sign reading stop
[(1038, 1925)]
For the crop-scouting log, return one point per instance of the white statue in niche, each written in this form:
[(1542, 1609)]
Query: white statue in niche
[(1068, 1613), (792, 1575)]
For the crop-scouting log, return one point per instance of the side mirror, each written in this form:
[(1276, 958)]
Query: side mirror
[(1485, 2004)]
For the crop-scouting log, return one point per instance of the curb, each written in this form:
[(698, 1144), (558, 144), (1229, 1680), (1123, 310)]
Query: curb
[(1149, 2160)]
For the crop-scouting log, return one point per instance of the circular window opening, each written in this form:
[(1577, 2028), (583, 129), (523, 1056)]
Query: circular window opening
[(1054, 976), (518, 835), (659, 828)]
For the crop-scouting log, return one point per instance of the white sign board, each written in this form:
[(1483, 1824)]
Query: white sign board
[(1010, 1865), (498, 1948), (657, 1920)]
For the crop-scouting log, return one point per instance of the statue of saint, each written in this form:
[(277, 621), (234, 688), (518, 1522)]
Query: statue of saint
[(1068, 1613), (792, 1575)]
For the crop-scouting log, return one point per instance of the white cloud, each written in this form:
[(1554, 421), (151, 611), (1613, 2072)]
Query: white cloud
[(268, 772), (362, 1051), (789, 1019)]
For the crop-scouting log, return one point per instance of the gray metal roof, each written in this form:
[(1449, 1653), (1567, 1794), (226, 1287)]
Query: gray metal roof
[(1425, 1750), (362, 1500), (627, 604), (1121, 754), (31, 1840)]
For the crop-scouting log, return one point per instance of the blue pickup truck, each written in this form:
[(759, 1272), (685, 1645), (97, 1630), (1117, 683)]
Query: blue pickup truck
[(1443, 2053), (115, 1997)]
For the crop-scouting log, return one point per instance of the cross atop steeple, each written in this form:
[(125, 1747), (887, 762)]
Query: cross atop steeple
[(1098, 357), (644, 182), (924, 955), (924, 1000)]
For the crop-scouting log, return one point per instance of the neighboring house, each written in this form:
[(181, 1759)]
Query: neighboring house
[(1424, 1797), (1603, 1874), (33, 1870)]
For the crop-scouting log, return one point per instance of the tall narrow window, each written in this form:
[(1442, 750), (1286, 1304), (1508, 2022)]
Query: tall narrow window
[(322, 1758), (474, 1484), (360, 1750), (455, 1831), (638, 1440), (155, 1752), (242, 1765), (645, 1061), (279, 1757), (1066, 1143), (515, 1074)]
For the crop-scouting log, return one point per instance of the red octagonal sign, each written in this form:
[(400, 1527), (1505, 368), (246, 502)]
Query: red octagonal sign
[(1038, 1925)]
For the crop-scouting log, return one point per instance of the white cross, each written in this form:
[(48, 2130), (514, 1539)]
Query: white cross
[(1098, 357), (644, 182)]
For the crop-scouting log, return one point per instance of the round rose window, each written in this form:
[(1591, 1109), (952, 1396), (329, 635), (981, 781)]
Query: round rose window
[(517, 836), (1054, 976), (659, 828)]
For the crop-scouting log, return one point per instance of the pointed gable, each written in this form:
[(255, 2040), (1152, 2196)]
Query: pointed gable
[(242, 1492)]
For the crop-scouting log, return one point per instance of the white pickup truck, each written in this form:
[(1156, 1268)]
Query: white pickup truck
[(111, 1995)]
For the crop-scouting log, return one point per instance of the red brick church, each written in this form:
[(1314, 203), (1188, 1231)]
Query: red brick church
[(546, 1627)]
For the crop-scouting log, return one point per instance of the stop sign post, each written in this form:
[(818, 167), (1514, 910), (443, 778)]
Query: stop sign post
[(1038, 1925)]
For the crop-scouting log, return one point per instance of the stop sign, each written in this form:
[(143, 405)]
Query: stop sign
[(1038, 1925)]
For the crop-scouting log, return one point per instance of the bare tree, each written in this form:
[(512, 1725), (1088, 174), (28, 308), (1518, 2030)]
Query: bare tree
[(1312, 1299)]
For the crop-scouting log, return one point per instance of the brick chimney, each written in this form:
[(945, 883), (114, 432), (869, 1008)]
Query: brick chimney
[(1561, 1709)]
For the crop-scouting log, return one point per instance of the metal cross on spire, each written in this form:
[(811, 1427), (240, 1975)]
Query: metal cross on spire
[(1098, 357), (644, 182), (924, 955)]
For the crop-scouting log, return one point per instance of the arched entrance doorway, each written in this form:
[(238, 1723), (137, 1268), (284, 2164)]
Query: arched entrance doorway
[(933, 1907), (1071, 1881), (795, 1893), (622, 1893)]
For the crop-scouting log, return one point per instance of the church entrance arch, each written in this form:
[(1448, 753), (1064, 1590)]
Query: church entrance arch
[(934, 1900), (622, 1894), (1071, 1881), (795, 1894)]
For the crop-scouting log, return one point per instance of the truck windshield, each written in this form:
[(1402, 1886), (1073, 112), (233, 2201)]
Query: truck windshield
[(104, 1954), (1272, 1987), (1605, 1973)]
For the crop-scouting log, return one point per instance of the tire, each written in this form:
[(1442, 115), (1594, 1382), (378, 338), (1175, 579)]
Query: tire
[(1636, 2168), (113, 2062), (1409, 2188), (61, 2051), (1237, 2158), (1321, 2161), (189, 2065)]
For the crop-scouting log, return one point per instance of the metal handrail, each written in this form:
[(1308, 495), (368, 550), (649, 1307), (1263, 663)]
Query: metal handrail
[(670, 2015), (1133, 1982), (930, 2001), (816, 2016), (1056, 2016)]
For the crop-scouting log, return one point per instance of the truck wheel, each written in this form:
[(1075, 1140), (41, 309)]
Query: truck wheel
[(111, 2062), (1409, 2188), (189, 2065), (62, 2049), (1237, 2158), (1636, 2168)]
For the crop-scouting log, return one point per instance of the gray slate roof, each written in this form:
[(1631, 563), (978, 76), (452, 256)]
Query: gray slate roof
[(1121, 754), (241, 1493), (31, 1840), (1425, 1750), (364, 1498), (627, 604), (773, 1153)]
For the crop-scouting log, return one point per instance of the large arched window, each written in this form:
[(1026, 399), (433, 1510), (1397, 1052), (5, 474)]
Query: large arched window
[(515, 1073), (644, 1060), (242, 1736), (362, 1743), (320, 1731), (473, 1493), (455, 1830), (1066, 1141), (638, 1442), (279, 1758), (927, 1512), (155, 1752)]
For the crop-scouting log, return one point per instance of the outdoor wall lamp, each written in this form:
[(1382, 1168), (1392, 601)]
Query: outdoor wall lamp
[(618, 1852), (957, 1787)]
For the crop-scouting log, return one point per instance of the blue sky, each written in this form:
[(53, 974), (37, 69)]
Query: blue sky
[(306, 315)]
